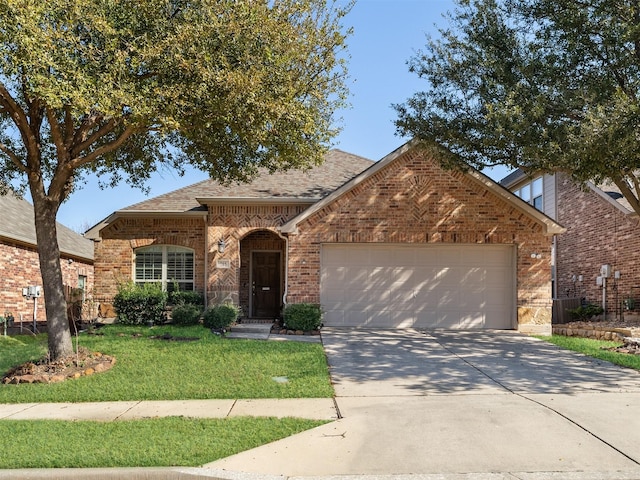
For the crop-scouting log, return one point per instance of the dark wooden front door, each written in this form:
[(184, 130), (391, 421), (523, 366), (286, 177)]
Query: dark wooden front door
[(265, 285)]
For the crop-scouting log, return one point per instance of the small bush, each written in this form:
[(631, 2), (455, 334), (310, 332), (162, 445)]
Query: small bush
[(186, 297), (220, 317), (585, 312), (186, 314), (140, 304), (302, 316)]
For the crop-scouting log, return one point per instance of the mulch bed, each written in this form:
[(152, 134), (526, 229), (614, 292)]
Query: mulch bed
[(84, 363)]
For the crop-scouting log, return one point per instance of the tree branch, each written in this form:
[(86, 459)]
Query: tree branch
[(104, 149), (21, 121), (97, 135), (626, 191), (13, 157), (87, 124), (56, 135)]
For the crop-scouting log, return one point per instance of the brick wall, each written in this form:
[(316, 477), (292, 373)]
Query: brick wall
[(114, 254), (413, 201), (598, 233), (244, 228), (20, 268)]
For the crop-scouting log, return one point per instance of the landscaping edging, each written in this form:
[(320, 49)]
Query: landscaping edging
[(597, 330)]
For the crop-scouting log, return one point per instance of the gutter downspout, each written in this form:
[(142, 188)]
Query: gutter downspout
[(286, 267), (206, 263)]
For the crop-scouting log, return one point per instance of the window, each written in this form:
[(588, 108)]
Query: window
[(165, 264), (532, 193), (82, 285)]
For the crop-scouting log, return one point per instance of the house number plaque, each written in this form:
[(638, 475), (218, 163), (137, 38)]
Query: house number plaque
[(223, 263)]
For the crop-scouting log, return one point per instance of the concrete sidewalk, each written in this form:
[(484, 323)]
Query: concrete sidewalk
[(308, 408), (420, 406)]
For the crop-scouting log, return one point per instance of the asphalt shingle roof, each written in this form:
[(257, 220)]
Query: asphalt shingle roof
[(17, 224), (313, 184)]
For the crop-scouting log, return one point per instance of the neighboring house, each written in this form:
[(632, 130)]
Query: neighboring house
[(396, 243), (20, 267), (601, 229)]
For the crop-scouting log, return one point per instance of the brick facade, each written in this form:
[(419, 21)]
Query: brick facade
[(244, 228), (598, 233), (20, 268), (114, 254), (412, 200)]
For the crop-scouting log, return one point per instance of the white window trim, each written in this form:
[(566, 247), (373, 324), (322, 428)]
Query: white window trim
[(529, 186), (164, 280)]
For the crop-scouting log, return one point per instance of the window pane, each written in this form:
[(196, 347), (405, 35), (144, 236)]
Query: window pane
[(537, 202), (149, 265), (179, 266), (525, 192), (536, 187)]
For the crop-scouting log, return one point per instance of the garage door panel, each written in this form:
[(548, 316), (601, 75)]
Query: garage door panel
[(496, 318), (443, 286), (395, 319), (472, 321), (446, 256), (404, 257), (334, 275), (333, 296)]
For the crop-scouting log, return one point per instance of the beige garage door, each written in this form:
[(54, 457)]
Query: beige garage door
[(389, 285)]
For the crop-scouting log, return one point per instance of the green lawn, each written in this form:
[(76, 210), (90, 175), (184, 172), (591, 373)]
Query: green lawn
[(156, 369), (595, 348), (138, 443)]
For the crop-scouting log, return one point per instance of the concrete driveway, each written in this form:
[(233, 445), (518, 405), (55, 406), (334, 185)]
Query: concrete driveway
[(442, 404)]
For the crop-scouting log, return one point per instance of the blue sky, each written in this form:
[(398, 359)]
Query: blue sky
[(386, 34)]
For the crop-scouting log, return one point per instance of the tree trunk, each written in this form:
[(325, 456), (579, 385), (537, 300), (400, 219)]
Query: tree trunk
[(60, 344)]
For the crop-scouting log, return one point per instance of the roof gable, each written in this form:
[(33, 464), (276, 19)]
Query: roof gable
[(17, 223), (549, 226)]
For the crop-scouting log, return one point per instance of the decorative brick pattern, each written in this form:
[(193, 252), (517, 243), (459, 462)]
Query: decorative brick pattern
[(598, 233), (411, 200), (458, 210), (20, 268), (244, 228)]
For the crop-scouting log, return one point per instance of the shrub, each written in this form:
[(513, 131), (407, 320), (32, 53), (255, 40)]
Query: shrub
[(186, 297), (302, 316), (585, 312), (140, 304), (186, 314), (221, 316)]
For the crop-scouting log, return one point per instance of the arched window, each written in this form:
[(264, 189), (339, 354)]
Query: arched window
[(165, 264)]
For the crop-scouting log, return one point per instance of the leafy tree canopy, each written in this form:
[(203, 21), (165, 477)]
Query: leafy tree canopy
[(117, 87), (544, 85)]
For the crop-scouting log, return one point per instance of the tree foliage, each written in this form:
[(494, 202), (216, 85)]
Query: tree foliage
[(118, 87), (544, 85)]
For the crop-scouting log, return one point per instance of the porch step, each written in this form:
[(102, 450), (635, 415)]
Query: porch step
[(264, 328)]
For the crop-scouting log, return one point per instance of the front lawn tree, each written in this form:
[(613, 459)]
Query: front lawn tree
[(117, 88), (545, 85)]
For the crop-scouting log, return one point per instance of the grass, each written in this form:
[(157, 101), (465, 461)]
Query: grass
[(169, 441), (156, 369), (595, 348)]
